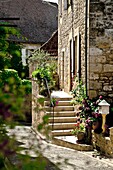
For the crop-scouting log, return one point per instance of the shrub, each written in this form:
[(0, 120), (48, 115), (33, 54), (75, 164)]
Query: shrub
[(78, 92), (27, 85), (9, 78)]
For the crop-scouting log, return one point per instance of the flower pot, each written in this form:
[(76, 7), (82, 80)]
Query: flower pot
[(95, 125), (80, 136)]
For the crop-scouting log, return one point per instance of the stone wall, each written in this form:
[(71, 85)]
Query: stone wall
[(104, 144), (71, 22), (35, 94), (99, 44), (101, 48)]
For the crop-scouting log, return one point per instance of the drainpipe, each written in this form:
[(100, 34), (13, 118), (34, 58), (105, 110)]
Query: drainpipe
[(86, 13)]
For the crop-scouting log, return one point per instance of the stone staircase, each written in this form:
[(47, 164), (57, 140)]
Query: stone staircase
[(61, 122)]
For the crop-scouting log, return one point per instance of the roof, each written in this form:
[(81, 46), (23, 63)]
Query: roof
[(51, 46), (38, 19)]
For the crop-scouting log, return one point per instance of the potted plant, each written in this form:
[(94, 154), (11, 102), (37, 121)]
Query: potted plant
[(79, 131), (97, 122)]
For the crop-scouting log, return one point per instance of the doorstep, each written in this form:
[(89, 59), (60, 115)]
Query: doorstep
[(60, 94), (70, 142)]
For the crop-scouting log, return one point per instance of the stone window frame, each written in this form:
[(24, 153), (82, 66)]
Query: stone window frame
[(67, 4)]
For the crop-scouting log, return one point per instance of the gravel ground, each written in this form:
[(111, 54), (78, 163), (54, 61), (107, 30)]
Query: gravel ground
[(17, 161), (64, 158)]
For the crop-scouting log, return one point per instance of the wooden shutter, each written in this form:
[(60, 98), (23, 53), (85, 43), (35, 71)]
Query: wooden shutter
[(79, 57)]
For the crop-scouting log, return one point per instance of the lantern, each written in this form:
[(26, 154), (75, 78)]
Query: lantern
[(104, 110)]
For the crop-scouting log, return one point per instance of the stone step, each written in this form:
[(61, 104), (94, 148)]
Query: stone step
[(63, 119), (62, 132), (71, 142), (59, 108), (62, 114), (63, 99), (61, 126), (60, 103)]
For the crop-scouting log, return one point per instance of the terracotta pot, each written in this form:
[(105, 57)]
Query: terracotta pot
[(81, 136), (95, 125)]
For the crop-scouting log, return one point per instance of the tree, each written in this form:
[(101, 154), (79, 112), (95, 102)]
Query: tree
[(10, 51)]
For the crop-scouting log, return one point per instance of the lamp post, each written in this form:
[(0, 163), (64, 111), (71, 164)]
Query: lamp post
[(104, 110)]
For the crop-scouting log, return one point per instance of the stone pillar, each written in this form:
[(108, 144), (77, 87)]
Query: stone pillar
[(111, 134), (104, 110)]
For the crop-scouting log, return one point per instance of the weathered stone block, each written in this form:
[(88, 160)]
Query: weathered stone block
[(92, 93), (95, 85), (104, 78), (108, 68), (109, 32), (96, 68), (94, 76), (101, 93), (104, 45), (107, 88), (95, 51), (101, 59), (110, 95)]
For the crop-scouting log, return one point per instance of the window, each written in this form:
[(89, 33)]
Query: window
[(25, 54), (60, 7), (75, 58), (65, 5)]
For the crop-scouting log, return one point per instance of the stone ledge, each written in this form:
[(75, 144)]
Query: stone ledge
[(66, 142)]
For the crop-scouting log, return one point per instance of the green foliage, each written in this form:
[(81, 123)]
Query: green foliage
[(9, 80), (6, 47), (46, 68), (12, 92), (79, 127), (42, 73), (40, 57), (41, 100), (16, 63), (78, 92), (53, 102), (27, 86), (4, 62), (14, 88), (10, 52)]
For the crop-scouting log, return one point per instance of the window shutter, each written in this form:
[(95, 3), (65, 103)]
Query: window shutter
[(60, 7), (65, 4), (79, 56), (24, 57)]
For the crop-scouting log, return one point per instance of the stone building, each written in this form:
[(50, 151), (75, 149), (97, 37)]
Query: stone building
[(85, 45), (36, 20)]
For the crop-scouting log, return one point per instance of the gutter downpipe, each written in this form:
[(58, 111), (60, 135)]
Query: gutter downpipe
[(86, 13)]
